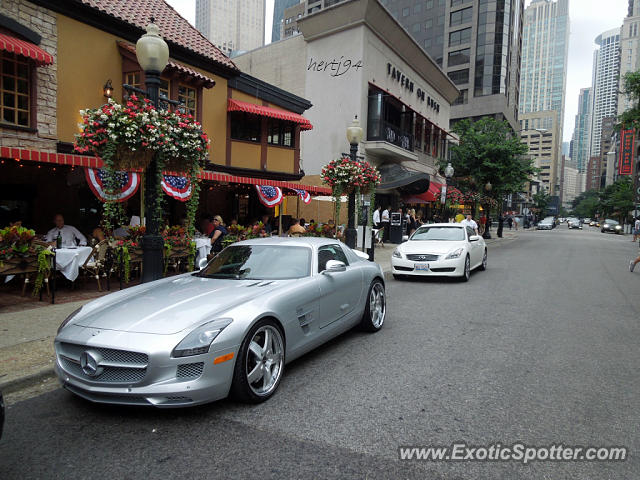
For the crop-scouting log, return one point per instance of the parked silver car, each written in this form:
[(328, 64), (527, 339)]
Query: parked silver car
[(227, 329)]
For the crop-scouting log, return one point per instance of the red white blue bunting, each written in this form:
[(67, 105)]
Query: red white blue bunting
[(128, 183), (177, 187), (269, 196), (304, 195)]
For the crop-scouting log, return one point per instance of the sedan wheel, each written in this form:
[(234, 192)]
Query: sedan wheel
[(375, 309), (260, 363), (467, 270), (483, 265)]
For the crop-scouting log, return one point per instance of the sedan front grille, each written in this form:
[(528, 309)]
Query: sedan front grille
[(109, 374), (422, 257), (116, 366)]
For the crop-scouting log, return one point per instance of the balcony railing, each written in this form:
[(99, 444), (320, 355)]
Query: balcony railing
[(387, 132)]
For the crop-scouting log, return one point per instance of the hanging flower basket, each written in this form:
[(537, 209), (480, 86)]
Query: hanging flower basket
[(126, 159)]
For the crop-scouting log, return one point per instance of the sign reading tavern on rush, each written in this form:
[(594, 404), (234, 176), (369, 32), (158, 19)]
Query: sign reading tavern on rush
[(625, 163)]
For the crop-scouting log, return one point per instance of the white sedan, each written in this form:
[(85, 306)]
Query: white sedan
[(440, 249)]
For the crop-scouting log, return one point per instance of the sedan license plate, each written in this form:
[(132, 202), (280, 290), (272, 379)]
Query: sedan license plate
[(421, 266)]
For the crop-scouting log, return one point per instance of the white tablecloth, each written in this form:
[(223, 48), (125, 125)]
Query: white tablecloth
[(203, 247), (69, 260)]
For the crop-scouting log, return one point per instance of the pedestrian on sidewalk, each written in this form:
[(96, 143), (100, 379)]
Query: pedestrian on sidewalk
[(384, 220), (636, 229), (500, 225), (516, 221), (510, 221)]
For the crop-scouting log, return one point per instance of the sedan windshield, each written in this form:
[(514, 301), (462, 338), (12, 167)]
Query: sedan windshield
[(611, 222), (447, 234), (259, 262)]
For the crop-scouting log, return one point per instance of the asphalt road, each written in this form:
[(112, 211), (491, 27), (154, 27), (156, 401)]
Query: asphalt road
[(541, 348)]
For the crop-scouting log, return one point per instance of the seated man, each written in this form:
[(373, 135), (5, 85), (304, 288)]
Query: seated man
[(68, 233), (295, 228)]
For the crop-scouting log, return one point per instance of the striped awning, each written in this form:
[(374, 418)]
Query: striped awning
[(238, 106), (19, 154), (25, 49)]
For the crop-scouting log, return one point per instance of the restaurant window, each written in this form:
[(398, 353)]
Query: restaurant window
[(245, 127), (133, 79), (417, 145), (15, 90), (188, 97), (280, 133), (165, 88)]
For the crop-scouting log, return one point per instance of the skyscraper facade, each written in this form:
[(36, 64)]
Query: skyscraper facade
[(581, 132), (606, 69), (477, 43), (232, 25), (278, 17), (629, 49), (545, 46)]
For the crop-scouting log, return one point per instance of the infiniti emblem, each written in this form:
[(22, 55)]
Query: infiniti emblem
[(90, 363)]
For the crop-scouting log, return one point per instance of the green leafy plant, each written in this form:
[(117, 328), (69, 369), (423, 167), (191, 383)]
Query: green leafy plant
[(44, 268)]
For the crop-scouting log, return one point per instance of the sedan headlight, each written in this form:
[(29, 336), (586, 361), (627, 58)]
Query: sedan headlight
[(455, 254), (618, 227), (68, 319), (396, 253), (606, 225), (200, 339)]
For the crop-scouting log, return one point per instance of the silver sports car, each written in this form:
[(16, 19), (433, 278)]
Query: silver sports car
[(226, 329)]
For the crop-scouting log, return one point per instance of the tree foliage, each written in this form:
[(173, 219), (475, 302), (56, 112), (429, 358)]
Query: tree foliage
[(541, 202), (586, 204), (490, 152), (615, 200), (631, 87)]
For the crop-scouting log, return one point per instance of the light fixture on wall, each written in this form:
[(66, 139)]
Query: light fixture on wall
[(108, 89)]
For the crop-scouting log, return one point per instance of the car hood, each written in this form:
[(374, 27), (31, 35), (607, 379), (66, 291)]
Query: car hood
[(167, 307), (430, 246)]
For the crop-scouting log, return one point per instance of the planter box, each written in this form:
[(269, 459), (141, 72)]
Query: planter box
[(18, 265)]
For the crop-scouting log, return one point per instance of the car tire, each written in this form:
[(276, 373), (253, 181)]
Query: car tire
[(375, 308), (466, 274), (244, 390), (483, 265)]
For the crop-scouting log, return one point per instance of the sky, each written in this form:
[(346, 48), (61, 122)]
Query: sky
[(588, 19)]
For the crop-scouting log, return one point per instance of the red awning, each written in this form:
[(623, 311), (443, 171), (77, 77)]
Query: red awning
[(25, 49), (19, 154), (431, 195), (238, 106)]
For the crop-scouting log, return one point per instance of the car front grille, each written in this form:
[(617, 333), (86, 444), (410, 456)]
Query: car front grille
[(118, 366), (190, 370), (444, 269), (422, 257)]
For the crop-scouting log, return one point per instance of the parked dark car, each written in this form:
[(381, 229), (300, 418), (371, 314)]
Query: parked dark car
[(610, 226)]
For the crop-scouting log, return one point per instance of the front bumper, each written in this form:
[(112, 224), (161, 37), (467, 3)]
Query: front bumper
[(436, 268), (544, 227), (166, 382)]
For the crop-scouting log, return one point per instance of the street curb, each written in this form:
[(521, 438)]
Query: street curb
[(26, 381)]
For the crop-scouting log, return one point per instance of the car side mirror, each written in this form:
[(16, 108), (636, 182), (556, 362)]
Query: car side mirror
[(202, 263), (334, 266), (474, 238)]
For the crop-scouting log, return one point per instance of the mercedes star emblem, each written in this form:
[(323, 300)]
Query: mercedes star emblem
[(90, 363)]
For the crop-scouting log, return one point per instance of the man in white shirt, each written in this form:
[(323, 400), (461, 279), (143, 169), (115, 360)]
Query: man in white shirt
[(384, 220), (470, 222), (376, 217), (68, 233)]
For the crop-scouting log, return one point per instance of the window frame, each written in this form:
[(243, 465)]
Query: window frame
[(31, 93), (243, 119)]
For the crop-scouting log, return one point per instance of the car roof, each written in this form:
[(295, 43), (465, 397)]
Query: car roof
[(455, 225), (290, 241)]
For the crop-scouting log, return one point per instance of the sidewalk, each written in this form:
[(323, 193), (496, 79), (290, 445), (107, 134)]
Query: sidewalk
[(26, 341)]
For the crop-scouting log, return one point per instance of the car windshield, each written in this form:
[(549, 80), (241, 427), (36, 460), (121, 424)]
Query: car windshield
[(259, 262), (439, 233), (611, 222)]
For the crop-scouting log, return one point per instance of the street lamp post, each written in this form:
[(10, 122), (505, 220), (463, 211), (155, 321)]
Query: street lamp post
[(354, 137), (487, 228), (153, 54)]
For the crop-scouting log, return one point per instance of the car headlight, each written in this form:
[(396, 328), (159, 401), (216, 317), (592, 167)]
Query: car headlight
[(606, 225), (68, 319), (455, 254), (199, 340), (618, 227), (396, 253)]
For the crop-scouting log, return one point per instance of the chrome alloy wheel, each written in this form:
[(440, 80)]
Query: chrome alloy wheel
[(377, 305), (467, 269), (484, 261), (264, 361)]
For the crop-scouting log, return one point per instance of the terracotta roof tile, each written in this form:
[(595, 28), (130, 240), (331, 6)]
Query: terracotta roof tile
[(172, 26)]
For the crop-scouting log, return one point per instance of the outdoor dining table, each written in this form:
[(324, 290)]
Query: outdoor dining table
[(203, 247), (70, 259)]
